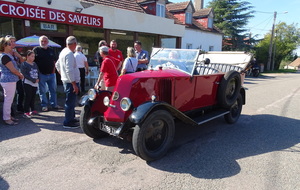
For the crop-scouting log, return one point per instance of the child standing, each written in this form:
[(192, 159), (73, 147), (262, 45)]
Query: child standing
[(31, 79)]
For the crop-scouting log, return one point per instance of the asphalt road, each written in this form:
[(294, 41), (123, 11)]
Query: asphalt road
[(261, 151)]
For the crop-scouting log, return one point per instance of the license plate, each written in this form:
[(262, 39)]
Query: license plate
[(108, 129)]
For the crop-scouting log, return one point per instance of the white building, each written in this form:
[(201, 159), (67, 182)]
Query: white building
[(89, 21), (157, 23), (200, 33)]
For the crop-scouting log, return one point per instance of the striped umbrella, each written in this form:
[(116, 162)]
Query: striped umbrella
[(32, 41)]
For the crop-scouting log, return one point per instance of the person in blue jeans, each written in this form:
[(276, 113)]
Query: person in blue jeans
[(45, 60), (70, 76)]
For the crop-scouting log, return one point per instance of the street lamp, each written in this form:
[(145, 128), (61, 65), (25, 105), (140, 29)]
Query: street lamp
[(271, 42)]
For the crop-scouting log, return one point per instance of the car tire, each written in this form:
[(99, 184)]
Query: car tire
[(235, 111), (152, 139), (229, 89), (89, 130)]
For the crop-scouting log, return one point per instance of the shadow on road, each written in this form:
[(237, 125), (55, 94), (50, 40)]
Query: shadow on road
[(52, 120), (3, 184), (253, 80), (212, 151)]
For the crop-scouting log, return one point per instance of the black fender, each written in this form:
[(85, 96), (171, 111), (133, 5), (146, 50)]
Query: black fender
[(243, 93), (84, 100), (88, 102), (140, 113), (97, 107)]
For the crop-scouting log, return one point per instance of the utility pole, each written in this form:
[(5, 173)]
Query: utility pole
[(271, 43), (273, 59)]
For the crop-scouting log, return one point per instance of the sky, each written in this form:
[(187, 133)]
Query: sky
[(262, 21)]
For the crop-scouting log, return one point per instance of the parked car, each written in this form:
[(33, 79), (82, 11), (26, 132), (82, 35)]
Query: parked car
[(180, 84)]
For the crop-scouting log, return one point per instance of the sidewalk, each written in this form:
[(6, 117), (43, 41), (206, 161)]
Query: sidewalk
[(49, 114)]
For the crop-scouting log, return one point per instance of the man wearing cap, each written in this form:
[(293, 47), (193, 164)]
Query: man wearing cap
[(108, 70), (67, 67), (97, 57)]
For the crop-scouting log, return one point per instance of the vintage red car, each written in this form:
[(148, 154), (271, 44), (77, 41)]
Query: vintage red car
[(180, 84)]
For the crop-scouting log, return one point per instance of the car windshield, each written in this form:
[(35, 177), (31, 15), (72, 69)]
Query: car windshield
[(181, 59)]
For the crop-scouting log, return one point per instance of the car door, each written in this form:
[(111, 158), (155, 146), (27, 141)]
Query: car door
[(205, 93)]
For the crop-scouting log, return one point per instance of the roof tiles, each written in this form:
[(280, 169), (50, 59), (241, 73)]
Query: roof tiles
[(202, 13), (175, 7), (171, 8), (121, 4)]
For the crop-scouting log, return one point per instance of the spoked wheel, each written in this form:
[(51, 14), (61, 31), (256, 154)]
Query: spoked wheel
[(90, 130), (235, 111), (152, 139), (229, 89)]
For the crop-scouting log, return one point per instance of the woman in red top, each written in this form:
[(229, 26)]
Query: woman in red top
[(108, 70)]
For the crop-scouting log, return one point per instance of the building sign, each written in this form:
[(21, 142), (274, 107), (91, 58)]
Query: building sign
[(48, 26), (23, 11)]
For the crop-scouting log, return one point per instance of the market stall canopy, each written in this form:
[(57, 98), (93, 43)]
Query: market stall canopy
[(32, 41)]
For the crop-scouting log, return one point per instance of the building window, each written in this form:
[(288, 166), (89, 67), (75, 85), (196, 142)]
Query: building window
[(210, 22), (160, 10), (211, 48), (148, 41), (88, 38), (9, 26), (189, 46), (168, 42), (188, 18)]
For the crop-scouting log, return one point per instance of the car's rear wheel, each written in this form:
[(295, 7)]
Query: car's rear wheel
[(90, 130), (229, 89), (152, 139), (235, 111)]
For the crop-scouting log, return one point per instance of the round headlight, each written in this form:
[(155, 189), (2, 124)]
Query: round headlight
[(125, 104), (92, 94), (106, 101)]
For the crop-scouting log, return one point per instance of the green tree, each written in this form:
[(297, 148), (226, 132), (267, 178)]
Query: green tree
[(286, 41), (231, 16)]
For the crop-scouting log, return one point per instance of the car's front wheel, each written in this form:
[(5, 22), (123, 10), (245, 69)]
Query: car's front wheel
[(235, 111), (152, 139), (90, 130)]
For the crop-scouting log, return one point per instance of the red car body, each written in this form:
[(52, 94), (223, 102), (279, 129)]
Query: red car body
[(176, 88), (194, 86)]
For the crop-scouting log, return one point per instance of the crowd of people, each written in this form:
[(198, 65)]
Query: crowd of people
[(36, 72)]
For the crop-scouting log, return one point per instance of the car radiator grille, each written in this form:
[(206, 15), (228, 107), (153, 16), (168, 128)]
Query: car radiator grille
[(165, 89)]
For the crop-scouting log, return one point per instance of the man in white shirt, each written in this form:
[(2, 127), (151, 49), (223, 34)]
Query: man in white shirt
[(67, 67), (82, 65)]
